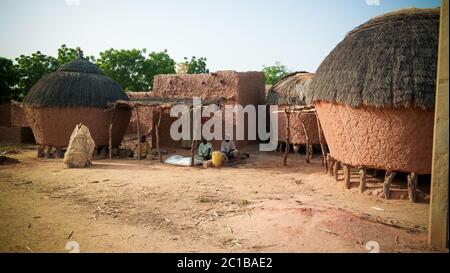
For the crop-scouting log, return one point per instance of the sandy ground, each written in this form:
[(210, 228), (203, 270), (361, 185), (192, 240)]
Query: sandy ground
[(144, 206)]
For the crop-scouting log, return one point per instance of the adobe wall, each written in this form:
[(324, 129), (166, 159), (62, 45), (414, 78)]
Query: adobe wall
[(398, 139), (297, 134), (206, 86), (14, 135), (5, 115), (12, 115), (145, 114), (245, 88), (53, 126), (18, 117)]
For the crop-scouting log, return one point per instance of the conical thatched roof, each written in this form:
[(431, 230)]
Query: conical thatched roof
[(290, 90), (77, 83), (390, 61)]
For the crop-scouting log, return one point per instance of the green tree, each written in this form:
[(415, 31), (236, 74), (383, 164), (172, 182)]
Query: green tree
[(132, 69), (66, 54), (156, 64), (275, 72), (8, 80), (30, 69), (193, 66)]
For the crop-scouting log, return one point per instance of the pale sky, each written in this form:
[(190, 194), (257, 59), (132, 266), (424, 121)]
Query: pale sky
[(240, 35)]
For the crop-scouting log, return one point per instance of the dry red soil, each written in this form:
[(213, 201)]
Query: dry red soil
[(126, 205)]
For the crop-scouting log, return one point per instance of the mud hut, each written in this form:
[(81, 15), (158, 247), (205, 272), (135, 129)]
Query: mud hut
[(230, 87), (290, 91), (78, 92), (375, 92)]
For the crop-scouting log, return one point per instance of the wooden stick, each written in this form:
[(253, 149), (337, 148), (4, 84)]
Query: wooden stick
[(336, 170), (327, 162), (322, 147), (362, 179), (48, 151), (192, 140), (40, 151), (110, 135), (412, 186), (388, 178), (138, 133), (157, 136), (58, 152), (330, 166), (346, 176), (307, 156), (288, 132)]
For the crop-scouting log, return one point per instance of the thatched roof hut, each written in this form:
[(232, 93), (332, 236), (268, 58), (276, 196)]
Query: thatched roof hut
[(374, 93), (78, 92), (292, 90)]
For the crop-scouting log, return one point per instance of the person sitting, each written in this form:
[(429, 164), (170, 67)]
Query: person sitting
[(205, 149), (228, 149)]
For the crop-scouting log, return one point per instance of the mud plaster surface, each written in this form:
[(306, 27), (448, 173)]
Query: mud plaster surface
[(53, 126), (244, 88), (297, 134), (394, 139), (145, 114)]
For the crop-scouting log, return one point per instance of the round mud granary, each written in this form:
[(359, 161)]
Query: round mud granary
[(78, 92), (375, 92)]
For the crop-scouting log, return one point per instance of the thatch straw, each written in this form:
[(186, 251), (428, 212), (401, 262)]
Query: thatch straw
[(78, 83), (290, 90), (390, 61)]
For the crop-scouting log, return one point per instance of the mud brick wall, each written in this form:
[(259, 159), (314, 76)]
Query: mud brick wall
[(245, 88), (145, 114)]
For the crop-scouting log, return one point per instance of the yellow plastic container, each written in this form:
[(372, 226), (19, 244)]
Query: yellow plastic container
[(217, 159)]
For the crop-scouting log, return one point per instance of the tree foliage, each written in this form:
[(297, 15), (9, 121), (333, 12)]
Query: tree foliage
[(193, 66), (275, 72), (134, 69)]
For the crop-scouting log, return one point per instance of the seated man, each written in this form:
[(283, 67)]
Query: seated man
[(205, 149), (228, 149)]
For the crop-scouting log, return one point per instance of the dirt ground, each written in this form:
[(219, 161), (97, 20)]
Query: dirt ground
[(125, 205)]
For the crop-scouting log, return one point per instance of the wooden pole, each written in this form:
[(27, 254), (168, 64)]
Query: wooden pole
[(346, 176), (288, 132), (110, 135), (327, 162), (307, 156), (322, 147), (331, 166), (337, 165), (388, 178), (58, 152), (362, 179), (412, 186), (192, 140), (138, 129), (438, 220), (158, 149)]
